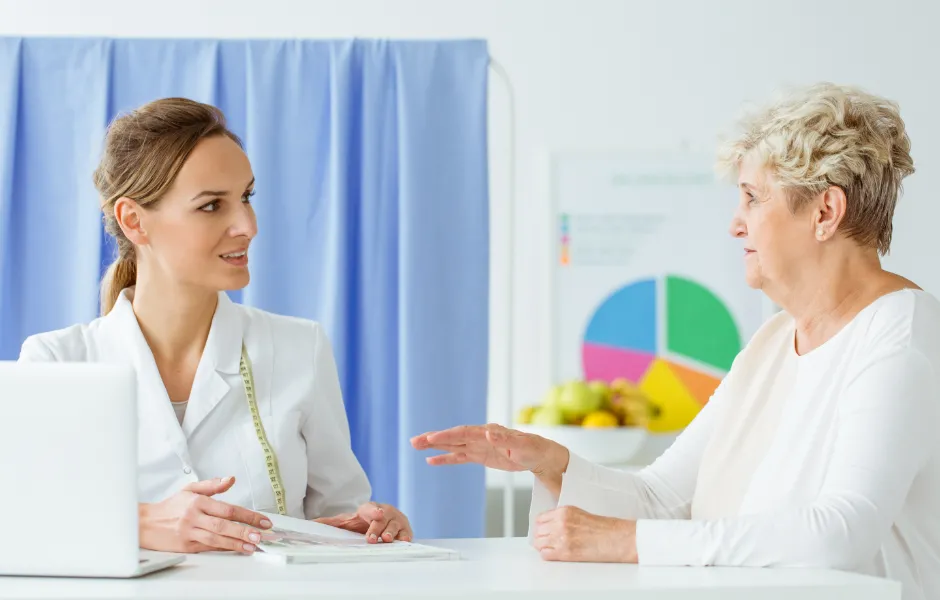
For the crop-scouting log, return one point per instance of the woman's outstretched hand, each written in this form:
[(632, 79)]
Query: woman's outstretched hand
[(497, 447)]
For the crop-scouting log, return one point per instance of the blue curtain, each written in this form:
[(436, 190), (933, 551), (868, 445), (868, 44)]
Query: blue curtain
[(372, 203)]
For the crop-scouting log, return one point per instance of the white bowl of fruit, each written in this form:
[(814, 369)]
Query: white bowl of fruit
[(600, 422)]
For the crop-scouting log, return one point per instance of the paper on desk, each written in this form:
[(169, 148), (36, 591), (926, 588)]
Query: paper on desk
[(293, 540), (302, 526)]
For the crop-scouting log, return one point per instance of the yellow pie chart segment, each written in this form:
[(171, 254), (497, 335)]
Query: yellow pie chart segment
[(673, 405)]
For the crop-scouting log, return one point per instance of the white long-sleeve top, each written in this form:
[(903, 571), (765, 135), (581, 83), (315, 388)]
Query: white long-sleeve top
[(830, 459)]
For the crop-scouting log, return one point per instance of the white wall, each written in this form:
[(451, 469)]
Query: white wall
[(597, 74)]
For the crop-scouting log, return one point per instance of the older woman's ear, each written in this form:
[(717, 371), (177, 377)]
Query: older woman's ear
[(829, 211)]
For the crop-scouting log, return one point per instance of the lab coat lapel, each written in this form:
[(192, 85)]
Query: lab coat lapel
[(155, 411), (218, 365)]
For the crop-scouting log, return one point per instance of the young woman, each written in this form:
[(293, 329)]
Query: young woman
[(239, 410)]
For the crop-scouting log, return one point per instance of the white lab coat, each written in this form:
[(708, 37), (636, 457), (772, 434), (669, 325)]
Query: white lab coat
[(298, 396)]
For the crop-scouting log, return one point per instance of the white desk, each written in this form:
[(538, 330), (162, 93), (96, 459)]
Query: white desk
[(496, 568)]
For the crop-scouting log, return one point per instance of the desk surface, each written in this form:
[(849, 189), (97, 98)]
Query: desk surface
[(490, 568)]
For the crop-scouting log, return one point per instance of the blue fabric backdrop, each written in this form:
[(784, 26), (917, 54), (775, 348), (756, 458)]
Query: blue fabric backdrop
[(372, 203)]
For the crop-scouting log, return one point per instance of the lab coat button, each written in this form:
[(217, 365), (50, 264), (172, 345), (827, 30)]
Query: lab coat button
[(187, 470)]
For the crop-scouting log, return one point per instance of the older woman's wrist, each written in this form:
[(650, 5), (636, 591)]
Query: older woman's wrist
[(551, 470), (628, 535)]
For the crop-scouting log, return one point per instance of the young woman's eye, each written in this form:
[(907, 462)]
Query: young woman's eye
[(247, 196), (210, 207)]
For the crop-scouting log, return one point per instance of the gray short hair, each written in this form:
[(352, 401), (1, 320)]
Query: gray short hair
[(830, 135)]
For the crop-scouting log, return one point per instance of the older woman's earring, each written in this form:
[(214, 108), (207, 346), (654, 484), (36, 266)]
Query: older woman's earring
[(819, 233)]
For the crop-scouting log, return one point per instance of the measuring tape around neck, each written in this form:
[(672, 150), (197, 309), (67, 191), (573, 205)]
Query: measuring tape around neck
[(270, 459)]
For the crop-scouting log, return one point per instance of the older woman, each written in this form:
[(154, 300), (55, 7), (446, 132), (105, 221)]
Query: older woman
[(820, 447)]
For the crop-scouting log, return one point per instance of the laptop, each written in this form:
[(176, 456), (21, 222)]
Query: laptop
[(68, 472)]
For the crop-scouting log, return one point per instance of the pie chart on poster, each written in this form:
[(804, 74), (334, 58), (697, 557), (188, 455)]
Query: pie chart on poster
[(671, 337)]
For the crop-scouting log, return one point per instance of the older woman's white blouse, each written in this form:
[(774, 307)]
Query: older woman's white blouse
[(830, 459)]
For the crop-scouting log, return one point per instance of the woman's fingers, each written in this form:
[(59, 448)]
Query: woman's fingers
[(230, 512), (549, 546), (210, 487), (215, 525), (370, 511), (490, 445), (406, 534), (447, 447), (198, 547), (466, 436), (420, 442), (452, 458), (228, 529), (385, 523), (542, 542), (549, 516), (463, 434), (542, 533), (551, 554), (375, 530), (378, 520), (348, 521), (335, 521), (216, 541), (392, 529)]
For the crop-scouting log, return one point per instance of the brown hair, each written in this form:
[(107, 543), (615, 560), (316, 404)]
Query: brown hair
[(143, 153)]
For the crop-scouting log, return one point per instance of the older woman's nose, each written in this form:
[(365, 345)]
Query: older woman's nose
[(737, 228)]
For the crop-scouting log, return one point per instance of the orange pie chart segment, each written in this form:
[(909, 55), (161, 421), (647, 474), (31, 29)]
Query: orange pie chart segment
[(700, 385)]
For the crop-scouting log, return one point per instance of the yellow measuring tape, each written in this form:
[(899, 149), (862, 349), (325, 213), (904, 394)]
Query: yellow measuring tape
[(270, 460)]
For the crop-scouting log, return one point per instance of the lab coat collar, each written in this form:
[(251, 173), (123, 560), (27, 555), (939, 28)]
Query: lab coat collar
[(224, 344), (155, 412), (220, 357)]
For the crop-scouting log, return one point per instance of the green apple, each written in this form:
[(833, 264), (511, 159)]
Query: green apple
[(578, 399), (603, 390), (552, 396), (548, 415)]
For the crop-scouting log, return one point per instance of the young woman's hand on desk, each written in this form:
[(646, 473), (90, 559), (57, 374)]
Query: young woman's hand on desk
[(192, 521), (497, 447), (375, 521)]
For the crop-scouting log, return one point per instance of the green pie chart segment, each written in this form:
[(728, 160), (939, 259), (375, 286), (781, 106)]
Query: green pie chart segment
[(698, 325)]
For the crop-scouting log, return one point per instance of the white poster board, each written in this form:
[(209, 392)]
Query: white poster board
[(648, 284)]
